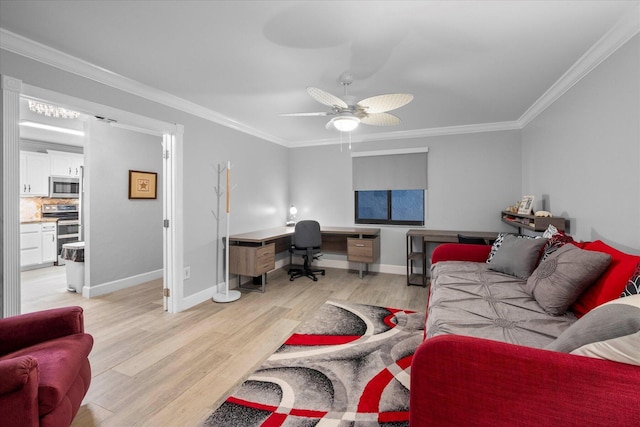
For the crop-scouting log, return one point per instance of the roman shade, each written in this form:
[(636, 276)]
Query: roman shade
[(390, 170)]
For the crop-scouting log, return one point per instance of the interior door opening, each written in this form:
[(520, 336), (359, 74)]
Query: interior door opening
[(166, 138)]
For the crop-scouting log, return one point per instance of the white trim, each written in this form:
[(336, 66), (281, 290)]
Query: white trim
[(627, 27), (10, 205), (390, 152), (374, 268), (176, 302), (116, 285), (416, 133)]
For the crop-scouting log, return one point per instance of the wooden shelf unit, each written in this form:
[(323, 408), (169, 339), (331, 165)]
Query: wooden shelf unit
[(416, 260), (532, 222)]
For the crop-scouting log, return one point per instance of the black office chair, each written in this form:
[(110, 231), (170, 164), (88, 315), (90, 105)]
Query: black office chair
[(471, 240), (306, 243)]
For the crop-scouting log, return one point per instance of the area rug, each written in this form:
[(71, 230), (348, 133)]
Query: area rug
[(348, 365)]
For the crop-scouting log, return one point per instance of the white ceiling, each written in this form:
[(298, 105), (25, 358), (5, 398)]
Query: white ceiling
[(243, 63)]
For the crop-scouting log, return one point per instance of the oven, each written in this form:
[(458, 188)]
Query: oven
[(68, 224)]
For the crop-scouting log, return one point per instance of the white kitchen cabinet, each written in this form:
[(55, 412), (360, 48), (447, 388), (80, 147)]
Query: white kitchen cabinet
[(65, 164), (38, 243), (49, 242), (34, 174), (30, 244)]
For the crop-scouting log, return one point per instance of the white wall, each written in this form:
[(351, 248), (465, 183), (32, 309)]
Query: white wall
[(125, 235), (471, 178), (583, 153)]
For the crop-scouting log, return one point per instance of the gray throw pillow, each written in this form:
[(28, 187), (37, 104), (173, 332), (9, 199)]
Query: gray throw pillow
[(517, 257), (560, 279), (610, 331)]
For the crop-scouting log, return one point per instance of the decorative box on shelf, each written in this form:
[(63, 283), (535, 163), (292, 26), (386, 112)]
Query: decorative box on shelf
[(532, 222)]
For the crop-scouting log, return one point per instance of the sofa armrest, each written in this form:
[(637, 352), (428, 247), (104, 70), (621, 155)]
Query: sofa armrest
[(460, 252), (462, 381), (25, 330), (19, 392)]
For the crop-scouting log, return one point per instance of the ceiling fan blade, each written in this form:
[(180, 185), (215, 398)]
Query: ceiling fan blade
[(326, 98), (380, 119), (384, 103), (322, 113)]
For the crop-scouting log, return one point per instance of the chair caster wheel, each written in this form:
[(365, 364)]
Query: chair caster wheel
[(291, 279), (315, 279), (322, 273)]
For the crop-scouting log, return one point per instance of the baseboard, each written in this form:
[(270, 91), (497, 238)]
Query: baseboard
[(116, 285), (374, 268), (346, 265)]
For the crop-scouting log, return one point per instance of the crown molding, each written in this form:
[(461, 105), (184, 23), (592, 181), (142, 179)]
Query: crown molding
[(417, 133), (627, 27), (39, 52)]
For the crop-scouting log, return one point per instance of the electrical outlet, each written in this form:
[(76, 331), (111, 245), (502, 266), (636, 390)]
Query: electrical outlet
[(187, 273)]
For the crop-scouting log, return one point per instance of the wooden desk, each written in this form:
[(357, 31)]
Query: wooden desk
[(417, 240), (253, 254)]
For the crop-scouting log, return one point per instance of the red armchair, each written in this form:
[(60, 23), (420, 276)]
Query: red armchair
[(44, 367)]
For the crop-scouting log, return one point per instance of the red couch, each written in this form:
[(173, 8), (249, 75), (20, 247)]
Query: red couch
[(466, 381), (44, 367)]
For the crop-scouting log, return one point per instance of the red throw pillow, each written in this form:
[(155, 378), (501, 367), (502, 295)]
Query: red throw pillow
[(611, 283)]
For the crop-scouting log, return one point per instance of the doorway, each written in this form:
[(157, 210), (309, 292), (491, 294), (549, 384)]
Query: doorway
[(169, 138)]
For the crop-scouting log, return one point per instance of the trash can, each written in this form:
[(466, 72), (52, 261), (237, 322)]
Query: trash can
[(73, 254)]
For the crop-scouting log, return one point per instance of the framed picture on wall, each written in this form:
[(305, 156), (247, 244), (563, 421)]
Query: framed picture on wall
[(526, 205), (143, 185)]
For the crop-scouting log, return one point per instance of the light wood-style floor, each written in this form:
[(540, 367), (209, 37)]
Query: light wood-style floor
[(152, 368)]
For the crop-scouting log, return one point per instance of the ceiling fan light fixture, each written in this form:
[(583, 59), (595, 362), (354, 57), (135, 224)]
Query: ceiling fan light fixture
[(345, 123)]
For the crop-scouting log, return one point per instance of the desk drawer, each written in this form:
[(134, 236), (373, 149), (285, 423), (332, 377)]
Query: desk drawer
[(265, 259), (363, 250), (251, 260)]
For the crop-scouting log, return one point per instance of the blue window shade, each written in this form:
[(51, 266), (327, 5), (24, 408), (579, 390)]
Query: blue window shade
[(407, 205), (373, 205)]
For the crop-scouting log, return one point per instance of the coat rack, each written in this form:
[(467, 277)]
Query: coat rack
[(227, 295)]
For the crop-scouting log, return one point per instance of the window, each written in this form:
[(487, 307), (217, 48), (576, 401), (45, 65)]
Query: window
[(389, 186), (397, 207)]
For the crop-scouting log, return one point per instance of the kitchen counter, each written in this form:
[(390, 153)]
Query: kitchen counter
[(36, 221)]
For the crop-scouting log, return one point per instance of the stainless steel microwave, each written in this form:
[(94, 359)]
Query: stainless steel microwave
[(64, 187)]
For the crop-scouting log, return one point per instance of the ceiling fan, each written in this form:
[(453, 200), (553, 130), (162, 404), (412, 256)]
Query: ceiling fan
[(349, 112)]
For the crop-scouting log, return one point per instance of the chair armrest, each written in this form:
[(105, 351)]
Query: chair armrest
[(25, 330), (19, 392), (460, 252), (462, 381)]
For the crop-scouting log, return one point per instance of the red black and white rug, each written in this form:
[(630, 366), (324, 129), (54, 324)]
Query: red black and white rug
[(346, 366)]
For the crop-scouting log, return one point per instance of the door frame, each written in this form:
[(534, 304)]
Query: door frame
[(173, 251)]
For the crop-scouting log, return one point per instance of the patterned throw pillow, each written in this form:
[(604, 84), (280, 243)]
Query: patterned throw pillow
[(555, 242), (550, 231), (496, 245), (633, 285)]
